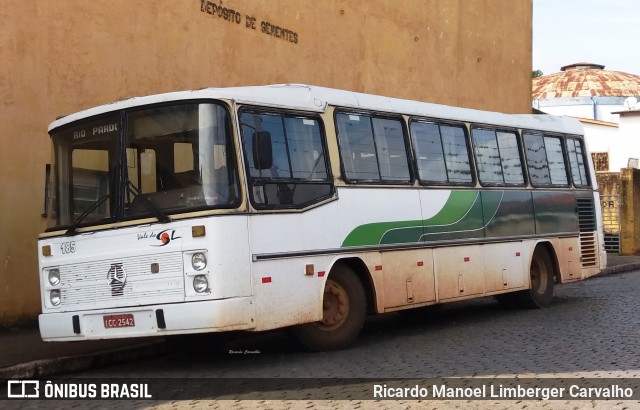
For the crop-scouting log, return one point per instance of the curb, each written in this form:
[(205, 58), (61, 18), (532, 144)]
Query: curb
[(620, 268), (51, 367)]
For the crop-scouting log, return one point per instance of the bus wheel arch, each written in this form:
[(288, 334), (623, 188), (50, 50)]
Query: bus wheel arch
[(551, 250), (360, 269), (344, 311)]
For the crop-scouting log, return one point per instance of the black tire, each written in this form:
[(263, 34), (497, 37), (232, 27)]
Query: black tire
[(344, 312), (542, 277)]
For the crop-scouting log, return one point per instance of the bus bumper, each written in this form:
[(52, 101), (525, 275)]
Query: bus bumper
[(152, 320)]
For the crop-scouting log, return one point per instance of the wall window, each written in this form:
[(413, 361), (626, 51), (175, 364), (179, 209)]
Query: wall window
[(575, 152), (545, 159), (298, 173), (600, 161), (497, 157), (441, 153), (372, 148)]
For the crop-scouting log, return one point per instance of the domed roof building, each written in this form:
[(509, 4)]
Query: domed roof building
[(586, 90), (606, 102)]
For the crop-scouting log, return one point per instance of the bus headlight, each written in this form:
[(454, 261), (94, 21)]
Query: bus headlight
[(54, 297), (199, 261), (54, 277), (200, 283)]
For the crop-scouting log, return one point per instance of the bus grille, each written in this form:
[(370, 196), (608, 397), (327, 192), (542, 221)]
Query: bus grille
[(587, 223), (87, 285), (588, 249)]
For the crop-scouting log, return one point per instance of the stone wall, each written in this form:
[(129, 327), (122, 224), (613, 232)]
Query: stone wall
[(626, 185)]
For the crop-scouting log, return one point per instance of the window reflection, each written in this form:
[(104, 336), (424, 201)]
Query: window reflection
[(372, 148), (441, 153), (497, 157), (298, 174)]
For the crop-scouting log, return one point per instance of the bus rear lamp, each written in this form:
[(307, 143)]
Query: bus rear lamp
[(200, 283), (198, 261), (54, 297), (54, 277)]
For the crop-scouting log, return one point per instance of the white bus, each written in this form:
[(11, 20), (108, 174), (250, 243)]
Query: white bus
[(254, 208)]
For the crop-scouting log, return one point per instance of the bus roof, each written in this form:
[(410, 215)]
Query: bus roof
[(313, 98)]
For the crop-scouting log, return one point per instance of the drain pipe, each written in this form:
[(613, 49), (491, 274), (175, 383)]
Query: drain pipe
[(594, 103)]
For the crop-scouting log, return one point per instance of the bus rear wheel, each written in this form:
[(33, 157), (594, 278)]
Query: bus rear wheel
[(541, 273), (344, 310)]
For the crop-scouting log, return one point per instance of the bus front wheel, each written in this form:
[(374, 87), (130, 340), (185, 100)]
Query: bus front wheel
[(541, 274), (344, 309)]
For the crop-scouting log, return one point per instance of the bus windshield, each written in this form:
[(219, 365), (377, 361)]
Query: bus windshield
[(169, 159)]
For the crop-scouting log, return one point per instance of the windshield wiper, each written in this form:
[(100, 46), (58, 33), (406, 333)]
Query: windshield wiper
[(157, 213), (74, 226)]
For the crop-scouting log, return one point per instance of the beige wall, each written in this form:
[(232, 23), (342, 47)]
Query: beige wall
[(58, 57)]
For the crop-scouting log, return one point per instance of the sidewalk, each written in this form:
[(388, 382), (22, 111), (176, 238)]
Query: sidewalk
[(23, 354), (619, 264)]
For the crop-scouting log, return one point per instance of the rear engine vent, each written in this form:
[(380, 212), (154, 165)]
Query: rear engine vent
[(586, 214), (587, 224)]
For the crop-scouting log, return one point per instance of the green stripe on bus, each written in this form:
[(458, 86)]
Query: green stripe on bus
[(456, 208)]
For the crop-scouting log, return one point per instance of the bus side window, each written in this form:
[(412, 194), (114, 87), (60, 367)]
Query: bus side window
[(441, 153), (497, 157), (372, 148), (545, 160), (555, 155), (575, 152), (298, 175), (357, 147), (536, 159)]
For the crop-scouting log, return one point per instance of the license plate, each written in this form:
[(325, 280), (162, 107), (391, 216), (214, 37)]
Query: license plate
[(113, 321)]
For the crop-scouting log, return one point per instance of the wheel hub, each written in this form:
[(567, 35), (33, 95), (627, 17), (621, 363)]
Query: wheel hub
[(538, 278), (335, 306)]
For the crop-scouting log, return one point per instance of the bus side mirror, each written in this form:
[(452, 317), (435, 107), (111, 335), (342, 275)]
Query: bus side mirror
[(262, 152)]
